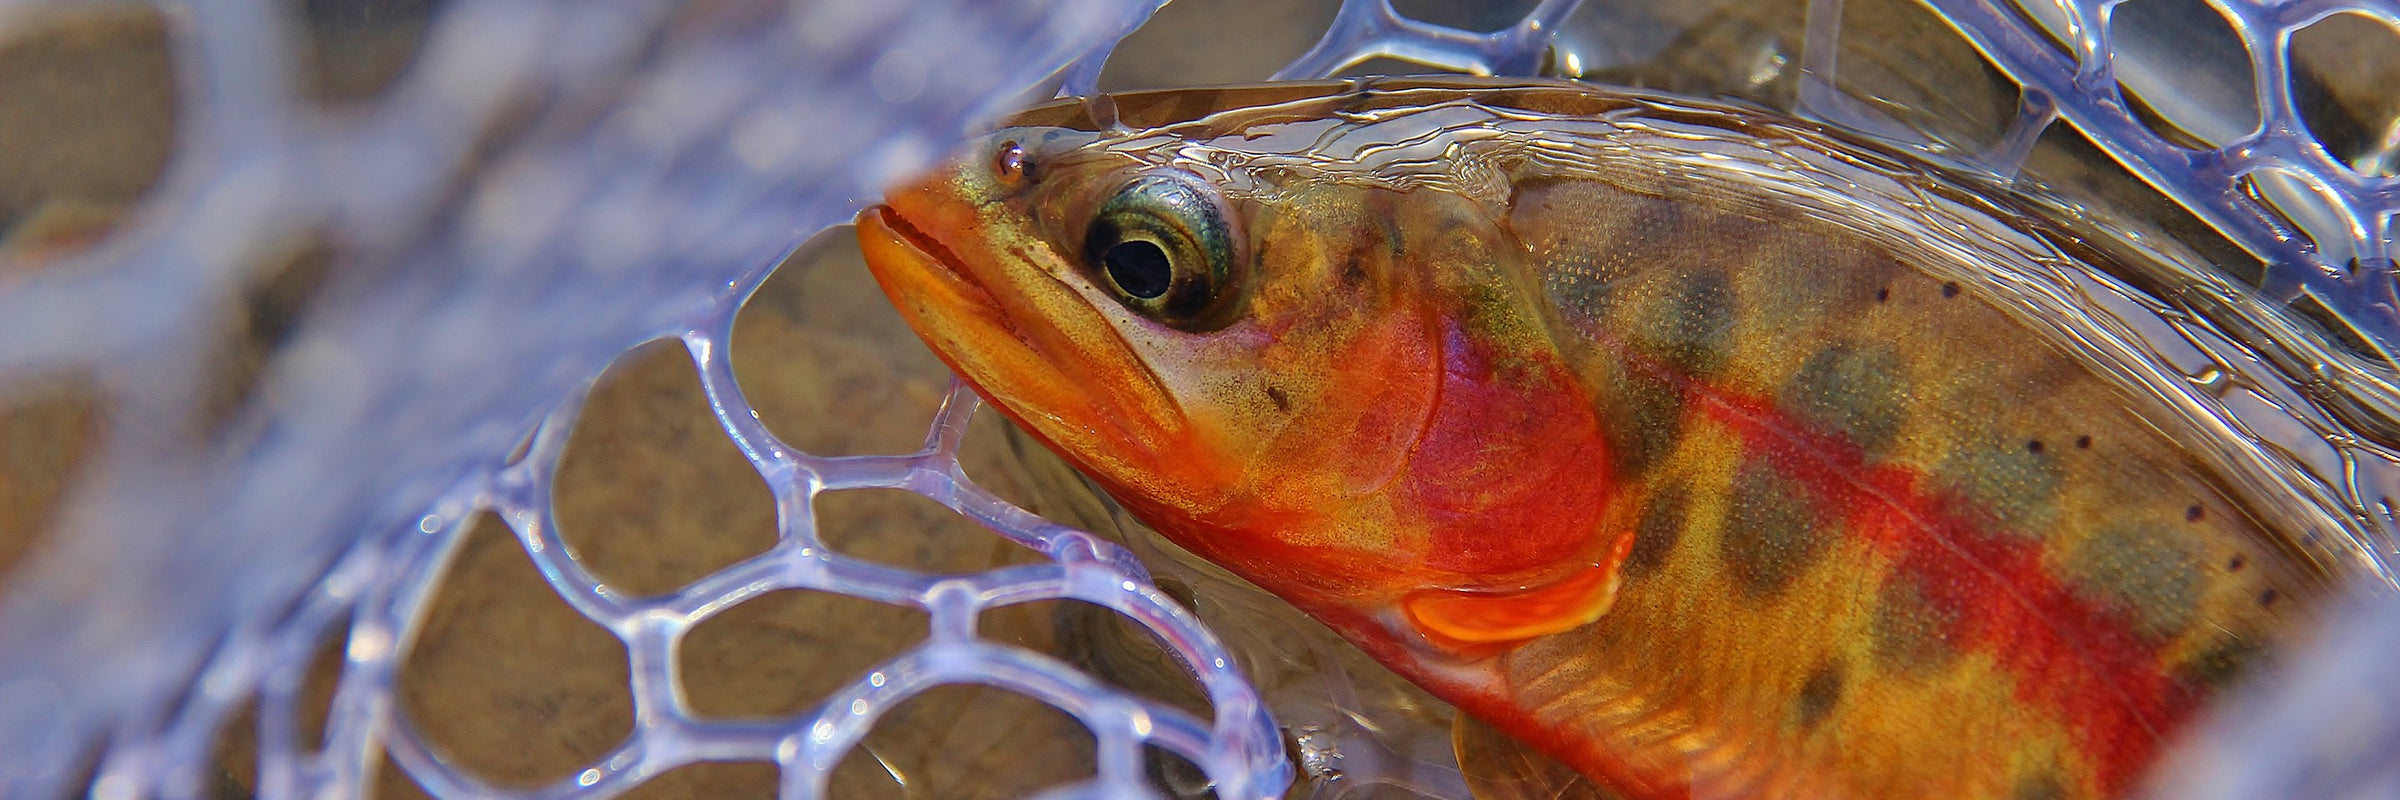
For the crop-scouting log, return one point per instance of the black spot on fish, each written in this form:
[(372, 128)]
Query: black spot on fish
[(1912, 626), (2083, 443), (2194, 513), (1858, 394), (2223, 663), (2267, 598), (1283, 403), (2016, 487), (1645, 421), (1818, 694), (2039, 786), (1661, 527), (2143, 572), (2034, 446), (1950, 289), (1883, 295), (1771, 533), (1691, 326), (2236, 563)]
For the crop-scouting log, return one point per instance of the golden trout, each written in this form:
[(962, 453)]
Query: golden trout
[(1708, 452)]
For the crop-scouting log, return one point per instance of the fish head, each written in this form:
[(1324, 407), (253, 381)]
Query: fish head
[(1278, 371)]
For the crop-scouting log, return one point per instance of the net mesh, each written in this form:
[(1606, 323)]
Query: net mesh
[(552, 183)]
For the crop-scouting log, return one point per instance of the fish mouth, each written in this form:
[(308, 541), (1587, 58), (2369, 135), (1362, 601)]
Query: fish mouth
[(1040, 350), (989, 329), (929, 252)]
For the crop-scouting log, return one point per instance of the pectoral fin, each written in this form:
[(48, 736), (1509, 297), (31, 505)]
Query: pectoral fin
[(1494, 618), (1498, 767)]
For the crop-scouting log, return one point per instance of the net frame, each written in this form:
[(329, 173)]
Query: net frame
[(204, 586)]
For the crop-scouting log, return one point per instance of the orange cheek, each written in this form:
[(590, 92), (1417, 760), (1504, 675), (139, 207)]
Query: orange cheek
[(1427, 462), (1349, 436), (1382, 405)]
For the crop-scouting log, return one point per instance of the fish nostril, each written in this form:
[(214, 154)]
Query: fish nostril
[(1008, 162)]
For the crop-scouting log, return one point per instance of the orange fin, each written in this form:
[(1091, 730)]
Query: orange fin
[(1476, 618), (1498, 767)]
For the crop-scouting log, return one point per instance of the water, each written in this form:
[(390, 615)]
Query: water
[(552, 183)]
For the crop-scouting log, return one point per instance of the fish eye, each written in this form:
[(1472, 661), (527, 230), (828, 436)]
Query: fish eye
[(1163, 245)]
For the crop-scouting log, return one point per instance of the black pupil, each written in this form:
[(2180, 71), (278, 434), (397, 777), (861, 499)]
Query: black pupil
[(1139, 267)]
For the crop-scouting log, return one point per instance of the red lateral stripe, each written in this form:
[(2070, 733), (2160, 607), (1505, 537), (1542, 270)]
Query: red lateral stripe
[(2068, 652)]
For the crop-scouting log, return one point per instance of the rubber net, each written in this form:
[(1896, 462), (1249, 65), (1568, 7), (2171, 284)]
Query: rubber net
[(549, 184)]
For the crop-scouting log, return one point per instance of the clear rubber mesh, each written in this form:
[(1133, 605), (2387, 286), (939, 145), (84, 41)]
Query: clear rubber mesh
[(554, 182)]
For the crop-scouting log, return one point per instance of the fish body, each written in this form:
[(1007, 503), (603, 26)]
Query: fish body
[(1704, 451)]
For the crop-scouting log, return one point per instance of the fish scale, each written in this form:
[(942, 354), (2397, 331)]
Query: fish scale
[(1758, 344), (1607, 418)]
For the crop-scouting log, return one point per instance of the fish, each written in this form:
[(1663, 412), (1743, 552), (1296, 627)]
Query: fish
[(1690, 450)]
